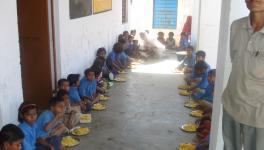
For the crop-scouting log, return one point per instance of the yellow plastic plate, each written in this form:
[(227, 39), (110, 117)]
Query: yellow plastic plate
[(103, 98), (197, 113), (69, 141), (184, 87), (99, 107), (185, 93), (189, 127), (80, 131), (191, 104), (187, 146)]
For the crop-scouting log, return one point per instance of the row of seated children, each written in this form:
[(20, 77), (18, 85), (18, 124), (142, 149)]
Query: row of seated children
[(204, 97), (74, 97), (170, 42), (201, 79)]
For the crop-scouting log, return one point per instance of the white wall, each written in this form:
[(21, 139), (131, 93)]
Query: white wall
[(230, 12), (207, 31), (142, 15), (80, 38), (10, 76)]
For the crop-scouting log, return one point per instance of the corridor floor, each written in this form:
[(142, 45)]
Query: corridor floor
[(144, 113)]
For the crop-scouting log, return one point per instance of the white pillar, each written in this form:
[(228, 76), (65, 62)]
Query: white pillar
[(231, 10)]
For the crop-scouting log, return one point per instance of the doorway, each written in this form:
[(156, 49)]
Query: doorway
[(36, 50)]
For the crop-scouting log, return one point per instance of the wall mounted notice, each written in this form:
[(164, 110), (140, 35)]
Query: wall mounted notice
[(101, 6), (165, 14)]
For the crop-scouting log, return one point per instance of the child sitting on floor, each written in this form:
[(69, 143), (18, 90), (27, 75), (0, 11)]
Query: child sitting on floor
[(88, 87), (161, 38), (170, 42), (50, 123), (71, 116), (113, 62), (204, 128), (99, 67), (200, 56), (75, 99), (189, 61), (27, 116), (198, 80), (11, 137), (206, 96), (131, 47), (183, 42), (63, 84)]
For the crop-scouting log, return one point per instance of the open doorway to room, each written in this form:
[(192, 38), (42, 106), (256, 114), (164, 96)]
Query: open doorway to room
[(36, 50)]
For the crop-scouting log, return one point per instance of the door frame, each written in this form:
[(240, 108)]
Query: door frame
[(53, 13)]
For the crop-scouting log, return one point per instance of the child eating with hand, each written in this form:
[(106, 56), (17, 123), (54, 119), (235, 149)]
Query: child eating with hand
[(88, 87), (50, 123)]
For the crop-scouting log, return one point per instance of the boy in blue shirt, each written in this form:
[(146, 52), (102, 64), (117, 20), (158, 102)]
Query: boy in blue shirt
[(50, 123), (206, 96), (189, 61), (88, 86), (75, 99), (198, 80), (113, 59)]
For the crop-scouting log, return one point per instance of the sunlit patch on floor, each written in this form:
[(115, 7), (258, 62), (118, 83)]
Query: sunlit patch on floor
[(162, 67)]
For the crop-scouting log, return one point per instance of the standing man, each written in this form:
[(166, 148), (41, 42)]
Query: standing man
[(243, 98)]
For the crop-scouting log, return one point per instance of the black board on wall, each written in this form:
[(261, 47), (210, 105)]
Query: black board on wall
[(80, 8)]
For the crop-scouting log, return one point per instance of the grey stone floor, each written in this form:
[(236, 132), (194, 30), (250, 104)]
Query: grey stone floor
[(144, 113)]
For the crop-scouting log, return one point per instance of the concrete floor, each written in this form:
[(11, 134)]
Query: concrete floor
[(144, 113)]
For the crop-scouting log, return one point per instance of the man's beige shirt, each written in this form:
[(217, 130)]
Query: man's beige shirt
[(243, 97)]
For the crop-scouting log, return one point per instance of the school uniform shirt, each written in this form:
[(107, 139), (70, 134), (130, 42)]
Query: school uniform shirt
[(112, 56), (74, 95), (42, 120), (123, 58), (209, 93), (184, 42), (170, 43), (98, 65), (243, 97), (202, 78), (87, 88), (189, 62), (30, 133)]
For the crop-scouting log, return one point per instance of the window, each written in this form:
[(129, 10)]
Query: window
[(165, 14), (124, 11)]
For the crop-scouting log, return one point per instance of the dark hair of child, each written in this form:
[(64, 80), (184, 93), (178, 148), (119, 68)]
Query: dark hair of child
[(212, 72), (200, 65), (183, 34), (125, 32), (62, 93), (160, 33), (120, 36), (24, 108), (171, 34), (102, 49), (73, 78), (122, 41), (200, 53), (10, 133), (190, 48), (88, 71), (54, 101), (130, 37), (118, 47), (61, 81)]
